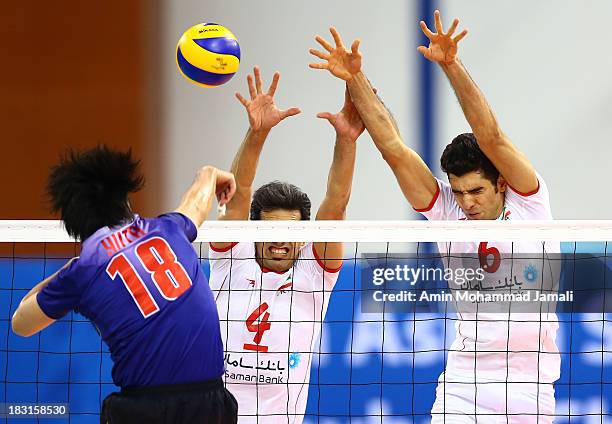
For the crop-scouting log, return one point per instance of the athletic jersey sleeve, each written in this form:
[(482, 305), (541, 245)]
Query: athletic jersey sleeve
[(62, 294), (314, 266), (534, 205), (221, 259), (443, 206), (183, 223)]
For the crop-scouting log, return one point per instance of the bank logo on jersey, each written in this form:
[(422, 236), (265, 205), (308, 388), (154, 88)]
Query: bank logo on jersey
[(530, 273), (294, 360)]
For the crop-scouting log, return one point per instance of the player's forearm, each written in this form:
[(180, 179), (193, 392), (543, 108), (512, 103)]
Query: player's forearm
[(374, 114), (246, 160), (244, 168), (197, 201), (339, 181), (477, 111)]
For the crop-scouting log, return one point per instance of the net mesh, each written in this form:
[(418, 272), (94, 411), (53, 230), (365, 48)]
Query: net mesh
[(371, 361)]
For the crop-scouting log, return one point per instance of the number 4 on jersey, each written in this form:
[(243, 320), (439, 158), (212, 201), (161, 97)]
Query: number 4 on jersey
[(258, 328)]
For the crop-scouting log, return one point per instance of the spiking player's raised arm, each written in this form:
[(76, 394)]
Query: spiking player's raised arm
[(136, 279)]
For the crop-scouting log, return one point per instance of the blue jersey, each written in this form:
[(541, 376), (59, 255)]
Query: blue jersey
[(143, 288)]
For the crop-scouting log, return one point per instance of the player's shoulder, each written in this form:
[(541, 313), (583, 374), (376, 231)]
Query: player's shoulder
[(311, 264), (307, 251), (173, 218), (176, 220), (531, 205), (443, 205), (236, 250)]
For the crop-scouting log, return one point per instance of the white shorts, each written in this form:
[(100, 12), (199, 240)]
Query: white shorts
[(492, 403)]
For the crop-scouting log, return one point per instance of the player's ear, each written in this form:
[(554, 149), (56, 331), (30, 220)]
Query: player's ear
[(501, 184)]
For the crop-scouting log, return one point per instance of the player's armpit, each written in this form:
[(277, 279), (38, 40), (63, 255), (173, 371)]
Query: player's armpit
[(222, 246), (29, 318), (511, 163), (239, 207), (414, 177), (329, 255)]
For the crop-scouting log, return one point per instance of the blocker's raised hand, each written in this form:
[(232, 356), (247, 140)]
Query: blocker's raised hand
[(347, 122), (341, 62), (442, 45), (262, 111)]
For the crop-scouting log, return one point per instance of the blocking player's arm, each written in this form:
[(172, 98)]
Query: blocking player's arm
[(414, 177), (511, 163), (29, 318), (349, 127), (263, 116), (197, 200)]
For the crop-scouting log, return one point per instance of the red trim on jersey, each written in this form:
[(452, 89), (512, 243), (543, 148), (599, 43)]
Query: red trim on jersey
[(225, 249), (285, 286), (531, 193), (321, 264), (264, 269), (433, 201)]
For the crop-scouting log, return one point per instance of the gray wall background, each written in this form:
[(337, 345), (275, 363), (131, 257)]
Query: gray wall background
[(544, 66)]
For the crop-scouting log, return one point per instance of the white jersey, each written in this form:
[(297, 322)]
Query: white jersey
[(507, 350), (270, 323)]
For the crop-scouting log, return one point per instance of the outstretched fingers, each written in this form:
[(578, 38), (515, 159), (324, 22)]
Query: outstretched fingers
[(252, 91), (242, 100), (438, 22), (460, 36), (319, 54), (426, 30), (355, 47), (274, 84), (336, 35), (318, 65), (453, 27), (258, 83), (325, 115), (324, 43), (423, 50), (289, 112)]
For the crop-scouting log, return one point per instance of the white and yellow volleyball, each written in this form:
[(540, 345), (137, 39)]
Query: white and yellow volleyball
[(208, 55)]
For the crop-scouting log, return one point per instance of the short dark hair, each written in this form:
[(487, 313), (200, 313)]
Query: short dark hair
[(90, 189), (280, 195), (463, 155)]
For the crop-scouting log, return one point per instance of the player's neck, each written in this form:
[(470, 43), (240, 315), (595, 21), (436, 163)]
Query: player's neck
[(500, 211)]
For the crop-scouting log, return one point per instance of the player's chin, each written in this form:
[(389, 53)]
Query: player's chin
[(475, 216), (279, 264)]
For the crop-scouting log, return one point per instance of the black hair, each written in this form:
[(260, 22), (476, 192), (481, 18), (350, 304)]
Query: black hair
[(90, 189), (280, 195), (463, 155)]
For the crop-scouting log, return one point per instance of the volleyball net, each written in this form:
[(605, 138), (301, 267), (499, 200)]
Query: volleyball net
[(509, 308)]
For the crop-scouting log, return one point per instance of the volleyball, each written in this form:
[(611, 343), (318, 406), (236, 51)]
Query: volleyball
[(208, 55)]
